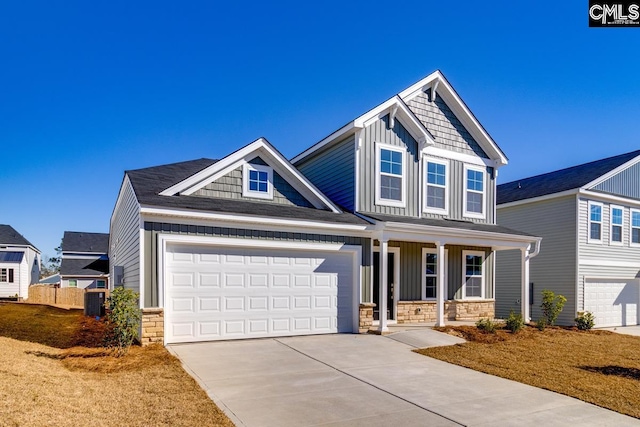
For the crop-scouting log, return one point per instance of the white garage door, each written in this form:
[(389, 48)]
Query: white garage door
[(215, 293), (613, 302)]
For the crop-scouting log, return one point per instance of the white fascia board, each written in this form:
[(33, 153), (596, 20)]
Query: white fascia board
[(596, 196), (255, 222), (126, 183), (344, 131), (83, 276), (607, 263), (454, 155), (611, 173), (538, 199)]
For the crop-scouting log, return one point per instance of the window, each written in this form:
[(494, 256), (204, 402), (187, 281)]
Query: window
[(436, 199), (595, 222), (257, 181), (474, 192), (617, 216), (390, 176), (6, 275), (635, 227), (473, 286), (430, 273), (73, 283), (101, 284)]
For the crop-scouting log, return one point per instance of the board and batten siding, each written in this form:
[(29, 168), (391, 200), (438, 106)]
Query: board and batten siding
[(152, 229), (124, 237), (554, 268), (332, 171), (603, 260), (625, 183), (229, 186)]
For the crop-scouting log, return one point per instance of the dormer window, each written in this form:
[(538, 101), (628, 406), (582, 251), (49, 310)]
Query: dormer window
[(474, 192), (257, 181), (390, 176)]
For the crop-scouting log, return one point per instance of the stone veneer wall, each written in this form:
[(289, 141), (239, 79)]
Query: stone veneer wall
[(425, 311), (152, 326), (366, 317)]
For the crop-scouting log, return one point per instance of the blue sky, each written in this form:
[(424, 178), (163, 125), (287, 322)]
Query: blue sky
[(90, 89)]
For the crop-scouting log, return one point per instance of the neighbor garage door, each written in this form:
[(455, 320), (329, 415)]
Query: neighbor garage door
[(613, 302), (215, 293)]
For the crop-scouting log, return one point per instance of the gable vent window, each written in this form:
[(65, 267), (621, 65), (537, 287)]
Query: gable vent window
[(474, 194), (617, 219), (436, 199), (635, 227), (257, 181), (595, 222), (390, 176)]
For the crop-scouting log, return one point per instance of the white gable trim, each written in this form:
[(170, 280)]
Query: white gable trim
[(611, 173), (259, 148)]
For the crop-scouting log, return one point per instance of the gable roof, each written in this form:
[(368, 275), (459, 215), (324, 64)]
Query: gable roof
[(9, 236), (561, 180), (75, 241), (438, 84)]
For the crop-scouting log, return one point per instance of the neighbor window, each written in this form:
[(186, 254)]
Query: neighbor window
[(595, 222), (73, 283), (257, 181), (390, 176), (6, 275), (635, 227), (473, 277), (617, 215), (474, 192), (101, 284), (436, 186)]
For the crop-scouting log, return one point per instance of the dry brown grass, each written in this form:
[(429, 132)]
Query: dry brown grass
[(74, 386), (598, 367)]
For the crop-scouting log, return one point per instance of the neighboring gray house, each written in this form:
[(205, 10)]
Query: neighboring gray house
[(396, 209), (85, 260), (589, 218), (19, 263)]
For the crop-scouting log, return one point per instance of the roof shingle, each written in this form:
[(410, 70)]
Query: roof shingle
[(74, 241), (9, 236)]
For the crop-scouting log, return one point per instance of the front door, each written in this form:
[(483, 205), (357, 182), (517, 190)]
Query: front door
[(390, 288)]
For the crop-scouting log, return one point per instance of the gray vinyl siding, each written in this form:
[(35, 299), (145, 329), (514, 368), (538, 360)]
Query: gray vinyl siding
[(152, 229), (380, 133), (124, 238), (332, 171), (627, 256), (626, 183), (449, 133), (554, 268), (455, 268), (230, 187)]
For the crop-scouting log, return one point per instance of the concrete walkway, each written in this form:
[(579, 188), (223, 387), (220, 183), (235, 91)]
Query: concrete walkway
[(625, 330), (369, 380)]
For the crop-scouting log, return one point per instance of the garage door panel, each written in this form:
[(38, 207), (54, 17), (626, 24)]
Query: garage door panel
[(613, 302), (245, 293)]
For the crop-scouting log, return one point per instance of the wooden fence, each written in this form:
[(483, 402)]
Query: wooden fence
[(50, 295)]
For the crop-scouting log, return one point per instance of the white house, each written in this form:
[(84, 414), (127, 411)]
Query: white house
[(19, 263)]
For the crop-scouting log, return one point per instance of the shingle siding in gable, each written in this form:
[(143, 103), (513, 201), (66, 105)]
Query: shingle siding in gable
[(449, 133), (625, 183), (333, 172)]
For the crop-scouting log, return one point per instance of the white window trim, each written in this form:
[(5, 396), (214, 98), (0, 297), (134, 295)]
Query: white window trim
[(101, 280), (6, 272), (466, 213), (386, 202), (464, 274), (611, 224), (69, 283), (631, 227), (589, 221), (246, 192), (429, 209), (426, 251)]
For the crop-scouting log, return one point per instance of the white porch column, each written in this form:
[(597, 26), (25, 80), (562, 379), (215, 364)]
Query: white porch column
[(440, 285), (382, 272), (524, 300)]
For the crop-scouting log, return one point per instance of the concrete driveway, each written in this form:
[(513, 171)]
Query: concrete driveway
[(369, 380)]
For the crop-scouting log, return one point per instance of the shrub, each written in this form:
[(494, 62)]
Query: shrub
[(585, 320), (552, 306), (123, 319), (486, 325), (514, 322), (541, 324)]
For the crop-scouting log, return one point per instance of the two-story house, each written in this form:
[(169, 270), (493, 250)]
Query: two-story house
[(393, 213), (589, 218), (85, 260), (19, 263)]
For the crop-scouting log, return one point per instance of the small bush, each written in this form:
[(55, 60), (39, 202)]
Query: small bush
[(541, 324), (551, 306), (486, 325), (123, 319), (514, 322), (585, 320)]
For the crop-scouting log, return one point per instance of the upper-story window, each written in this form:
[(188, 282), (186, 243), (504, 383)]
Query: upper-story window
[(635, 227), (257, 181), (617, 221), (437, 179), (474, 192), (390, 176), (595, 222)]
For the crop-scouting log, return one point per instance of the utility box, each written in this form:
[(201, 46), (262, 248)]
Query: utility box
[(94, 303)]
